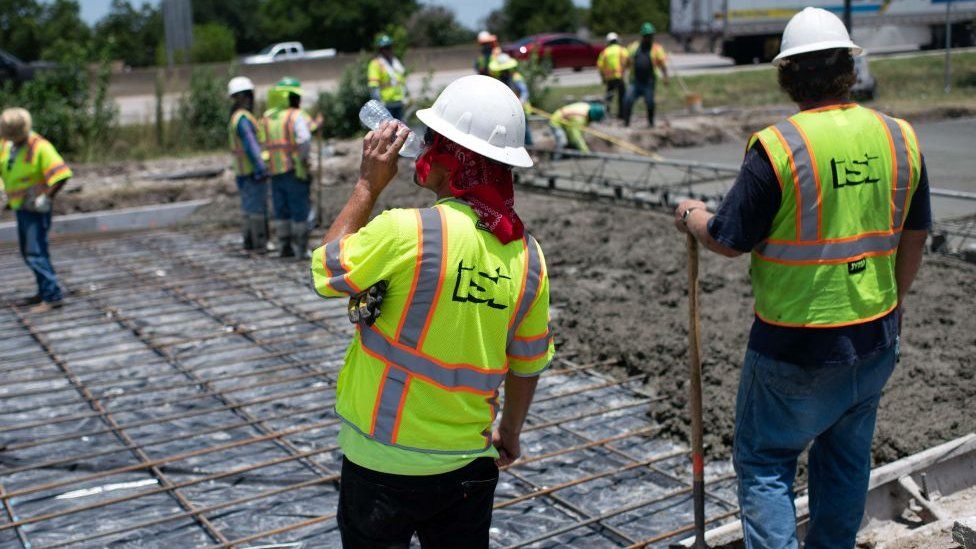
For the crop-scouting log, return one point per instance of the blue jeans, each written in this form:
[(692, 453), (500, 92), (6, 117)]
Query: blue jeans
[(290, 197), (640, 89), (780, 409), (254, 194), (32, 228)]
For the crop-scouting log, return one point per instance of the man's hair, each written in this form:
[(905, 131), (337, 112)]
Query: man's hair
[(15, 124), (816, 76)]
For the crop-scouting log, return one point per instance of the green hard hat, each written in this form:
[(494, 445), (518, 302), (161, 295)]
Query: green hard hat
[(647, 28), (597, 112), (384, 41), (290, 85)]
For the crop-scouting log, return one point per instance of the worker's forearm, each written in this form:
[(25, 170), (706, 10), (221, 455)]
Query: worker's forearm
[(56, 188), (697, 223), (518, 396), (354, 214), (908, 260)]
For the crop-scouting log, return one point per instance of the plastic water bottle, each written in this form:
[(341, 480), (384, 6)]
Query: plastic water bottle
[(375, 113)]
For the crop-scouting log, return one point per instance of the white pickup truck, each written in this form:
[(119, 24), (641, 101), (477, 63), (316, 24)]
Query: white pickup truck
[(286, 51)]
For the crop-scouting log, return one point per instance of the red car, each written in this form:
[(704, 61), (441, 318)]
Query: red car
[(566, 50)]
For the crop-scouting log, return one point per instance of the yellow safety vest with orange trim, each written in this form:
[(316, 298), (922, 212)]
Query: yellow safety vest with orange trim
[(280, 146), (612, 62), (461, 312), (36, 166), (847, 176)]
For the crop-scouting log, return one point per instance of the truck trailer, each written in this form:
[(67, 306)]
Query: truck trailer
[(749, 30)]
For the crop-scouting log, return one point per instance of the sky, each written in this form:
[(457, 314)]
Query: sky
[(469, 12)]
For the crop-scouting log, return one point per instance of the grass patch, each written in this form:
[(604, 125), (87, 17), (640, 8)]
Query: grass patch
[(904, 84)]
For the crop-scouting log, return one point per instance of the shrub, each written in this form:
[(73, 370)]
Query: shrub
[(203, 111), (340, 109), (212, 43), (537, 72)]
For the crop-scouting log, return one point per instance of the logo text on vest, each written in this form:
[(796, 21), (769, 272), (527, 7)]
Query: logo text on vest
[(475, 286), (848, 173), (857, 266)]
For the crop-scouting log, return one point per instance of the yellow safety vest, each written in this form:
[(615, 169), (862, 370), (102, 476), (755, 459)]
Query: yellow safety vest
[(36, 166), (392, 83), (572, 115), (612, 62), (847, 175), (461, 310), (280, 147), (243, 164)]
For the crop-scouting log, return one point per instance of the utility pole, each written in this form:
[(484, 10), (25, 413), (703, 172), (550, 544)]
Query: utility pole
[(948, 46), (178, 29), (847, 15)]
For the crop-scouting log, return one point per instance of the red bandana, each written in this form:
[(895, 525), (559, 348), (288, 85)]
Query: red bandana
[(483, 183)]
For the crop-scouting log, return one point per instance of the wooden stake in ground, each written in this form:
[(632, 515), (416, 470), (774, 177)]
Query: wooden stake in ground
[(694, 361)]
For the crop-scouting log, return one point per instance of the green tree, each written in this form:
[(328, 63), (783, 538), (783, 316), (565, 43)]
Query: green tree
[(525, 17), (434, 26), (340, 24), (203, 111), (19, 30), (212, 42), (63, 35), (130, 34), (626, 16), (239, 15)]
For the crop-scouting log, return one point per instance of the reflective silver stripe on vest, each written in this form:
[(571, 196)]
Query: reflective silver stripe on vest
[(529, 349), (417, 364), (337, 278), (809, 198), (431, 259), (533, 279), (394, 389), (903, 181), (831, 251)]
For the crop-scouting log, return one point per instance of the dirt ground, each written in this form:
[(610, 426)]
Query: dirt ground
[(618, 284)]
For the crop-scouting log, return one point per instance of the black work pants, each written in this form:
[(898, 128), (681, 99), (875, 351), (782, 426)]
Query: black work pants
[(450, 510), (617, 86)]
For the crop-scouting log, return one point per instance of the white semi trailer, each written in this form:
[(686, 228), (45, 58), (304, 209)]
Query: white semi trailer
[(750, 30)]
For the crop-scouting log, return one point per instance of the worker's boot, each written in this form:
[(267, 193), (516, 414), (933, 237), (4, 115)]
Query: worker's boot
[(283, 231), (248, 243), (650, 117), (299, 239), (258, 231)]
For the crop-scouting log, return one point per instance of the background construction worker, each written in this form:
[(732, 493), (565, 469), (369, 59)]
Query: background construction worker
[(648, 62), (288, 140), (387, 79), (488, 43), (466, 308), (246, 137), (504, 68), (33, 173), (612, 64), (833, 204), (567, 124)]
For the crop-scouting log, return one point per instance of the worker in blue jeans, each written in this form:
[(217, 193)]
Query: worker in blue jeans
[(836, 229), (647, 62)]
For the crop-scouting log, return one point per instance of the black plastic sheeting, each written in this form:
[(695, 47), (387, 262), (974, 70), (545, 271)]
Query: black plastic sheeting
[(196, 352)]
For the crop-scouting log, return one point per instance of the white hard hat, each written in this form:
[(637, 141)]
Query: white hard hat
[(482, 114), (814, 29), (239, 84), (612, 37), (485, 37)]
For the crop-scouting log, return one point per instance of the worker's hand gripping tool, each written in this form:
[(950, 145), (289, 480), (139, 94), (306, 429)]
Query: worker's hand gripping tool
[(364, 307)]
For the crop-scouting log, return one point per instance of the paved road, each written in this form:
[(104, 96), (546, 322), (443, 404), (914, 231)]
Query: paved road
[(946, 144)]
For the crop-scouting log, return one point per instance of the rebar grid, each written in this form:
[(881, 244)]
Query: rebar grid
[(265, 385)]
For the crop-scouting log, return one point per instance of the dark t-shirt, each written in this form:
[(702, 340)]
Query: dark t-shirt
[(744, 219), (643, 64)]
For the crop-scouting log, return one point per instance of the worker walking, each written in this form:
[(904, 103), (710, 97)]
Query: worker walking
[(567, 124), (33, 173), (612, 64), (648, 61), (505, 68), (246, 137), (833, 205), (464, 297), (387, 79), (489, 50), (288, 140)]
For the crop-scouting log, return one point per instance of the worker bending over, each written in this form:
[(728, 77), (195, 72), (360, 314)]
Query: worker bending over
[(246, 137), (288, 140), (612, 63), (833, 205), (567, 124), (33, 173), (648, 61), (464, 297), (387, 79), (488, 43), (504, 68)]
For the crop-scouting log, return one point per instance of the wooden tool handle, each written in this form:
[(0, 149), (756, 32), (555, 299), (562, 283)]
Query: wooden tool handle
[(694, 362)]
